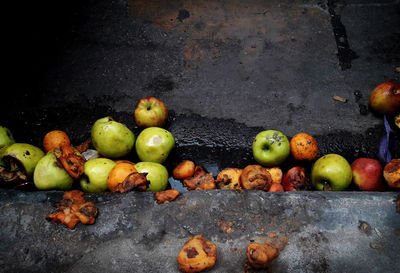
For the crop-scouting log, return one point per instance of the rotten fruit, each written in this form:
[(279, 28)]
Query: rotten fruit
[(197, 255), (18, 162), (255, 177), (303, 147), (119, 173), (156, 173), (74, 209), (391, 173), (296, 180)]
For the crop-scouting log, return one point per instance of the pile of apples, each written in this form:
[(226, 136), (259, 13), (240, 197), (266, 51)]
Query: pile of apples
[(101, 168)]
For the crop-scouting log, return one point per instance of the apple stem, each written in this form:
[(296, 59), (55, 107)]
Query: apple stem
[(327, 186)]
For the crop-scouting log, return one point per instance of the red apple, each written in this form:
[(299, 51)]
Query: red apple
[(385, 98), (296, 180), (367, 174), (150, 112)]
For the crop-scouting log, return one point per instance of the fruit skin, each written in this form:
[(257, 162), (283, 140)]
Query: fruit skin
[(385, 98), (118, 174), (49, 175), (367, 174), (150, 112), (55, 139), (275, 187), (296, 180), (157, 174), (154, 144), (331, 172), (111, 138), (303, 147), (27, 154), (96, 174), (6, 137), (270, 148)]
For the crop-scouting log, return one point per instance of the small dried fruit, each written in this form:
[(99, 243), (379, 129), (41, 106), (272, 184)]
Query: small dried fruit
[(200, 180), (73, 209), (197, 255), (166, 196), (229, 178), (255, 177), (391, 173), (260, 255), (184, 170)]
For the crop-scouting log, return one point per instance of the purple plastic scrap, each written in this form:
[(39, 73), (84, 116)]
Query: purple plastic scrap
[(387, 143)]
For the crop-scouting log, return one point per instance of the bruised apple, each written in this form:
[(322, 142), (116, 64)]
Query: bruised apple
[(154, 144), (296, 180), (18, 162), (367, 174), (385, 98), (156, 173)]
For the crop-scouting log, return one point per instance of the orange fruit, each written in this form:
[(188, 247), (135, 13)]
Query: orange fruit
[(55, 139), (184, 170), (118, 174), (304, 147)]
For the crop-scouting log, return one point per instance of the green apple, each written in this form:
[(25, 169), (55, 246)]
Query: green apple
[(27, 154), (154, 144), (331, 172), (96, 174), (157, 174), (150, 112), (50, 175), (6, 138), (270, 148), (111, 138)]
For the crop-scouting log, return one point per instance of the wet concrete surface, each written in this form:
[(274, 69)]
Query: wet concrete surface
[(226, 70), (317, 232)]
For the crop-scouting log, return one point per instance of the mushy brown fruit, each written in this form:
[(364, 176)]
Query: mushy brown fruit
[(255, 177), (197, 255)]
